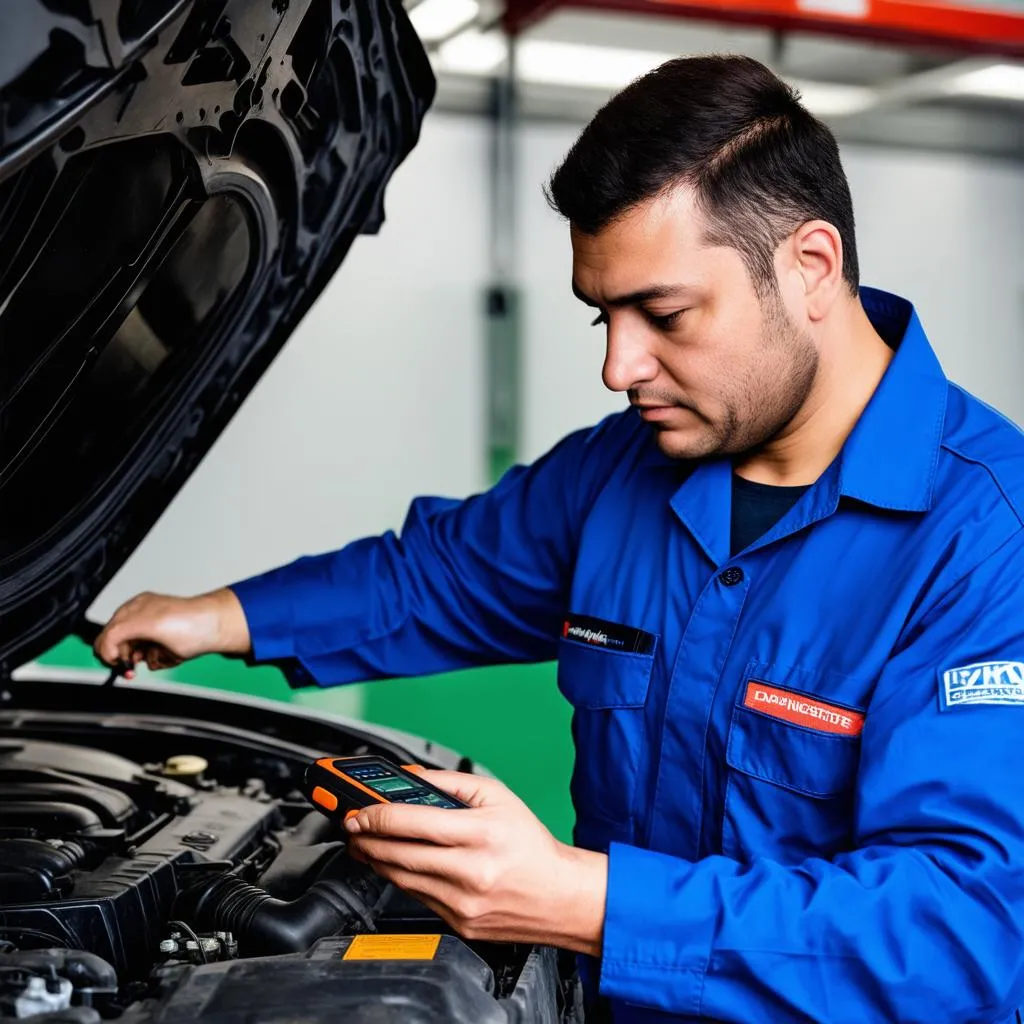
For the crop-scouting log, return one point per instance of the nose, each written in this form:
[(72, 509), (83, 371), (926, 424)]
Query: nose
[(628, 360)]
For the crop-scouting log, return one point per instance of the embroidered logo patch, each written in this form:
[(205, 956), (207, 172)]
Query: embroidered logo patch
[(987, 682), (802, 710), (613, 635)]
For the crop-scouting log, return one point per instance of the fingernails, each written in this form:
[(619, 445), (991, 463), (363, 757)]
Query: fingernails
[(352, 825)]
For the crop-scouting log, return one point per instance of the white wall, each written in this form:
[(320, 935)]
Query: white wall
[(948, 233), (378, 396)]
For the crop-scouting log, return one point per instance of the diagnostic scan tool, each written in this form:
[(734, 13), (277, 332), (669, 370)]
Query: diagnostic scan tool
[(342, 786)]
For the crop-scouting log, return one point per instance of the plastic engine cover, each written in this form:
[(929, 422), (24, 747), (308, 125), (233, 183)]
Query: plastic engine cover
[(453, 986)]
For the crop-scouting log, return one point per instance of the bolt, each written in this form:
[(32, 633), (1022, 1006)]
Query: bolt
[(168, 946)]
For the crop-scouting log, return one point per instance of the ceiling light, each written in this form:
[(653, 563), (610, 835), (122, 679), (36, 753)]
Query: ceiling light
[(998, 81), (597, 67), (837, 8), (828, 99), (437, 19), (473, 52), (610, 68)]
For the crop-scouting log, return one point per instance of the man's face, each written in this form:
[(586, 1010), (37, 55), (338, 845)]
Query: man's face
[(715, 369)]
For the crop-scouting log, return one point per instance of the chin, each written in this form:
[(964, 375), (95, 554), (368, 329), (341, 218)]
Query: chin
[(684, 444)]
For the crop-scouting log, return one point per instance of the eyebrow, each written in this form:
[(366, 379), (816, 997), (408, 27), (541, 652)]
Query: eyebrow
[(657, 291)]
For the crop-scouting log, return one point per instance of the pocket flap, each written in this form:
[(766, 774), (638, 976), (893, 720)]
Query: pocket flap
[(817, 764), (596, 678)]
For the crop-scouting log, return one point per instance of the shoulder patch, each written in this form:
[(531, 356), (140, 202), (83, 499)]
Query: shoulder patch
[(986, 682)]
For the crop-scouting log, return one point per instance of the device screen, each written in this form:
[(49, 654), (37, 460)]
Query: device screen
[(397, 788)]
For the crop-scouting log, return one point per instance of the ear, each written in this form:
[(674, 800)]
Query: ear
[(816, 252)]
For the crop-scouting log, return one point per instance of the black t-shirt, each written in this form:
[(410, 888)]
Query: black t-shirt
[(756, 508)]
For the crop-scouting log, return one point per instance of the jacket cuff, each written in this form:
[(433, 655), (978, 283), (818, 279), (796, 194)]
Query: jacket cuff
[(268, 613), (655, 949)]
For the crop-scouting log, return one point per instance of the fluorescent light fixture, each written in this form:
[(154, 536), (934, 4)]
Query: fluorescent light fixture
[(837, 8), (998, 81), (610, 68), (578, 64), (828, 99), (473, 52), (437, 19)]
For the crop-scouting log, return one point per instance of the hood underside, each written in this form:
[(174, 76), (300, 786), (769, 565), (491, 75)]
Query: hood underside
[(178, 182)]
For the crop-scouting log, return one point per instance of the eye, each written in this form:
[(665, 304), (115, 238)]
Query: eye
[(601, 318), (667, 321)]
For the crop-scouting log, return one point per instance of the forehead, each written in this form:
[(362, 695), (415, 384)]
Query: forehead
[(661, 238)]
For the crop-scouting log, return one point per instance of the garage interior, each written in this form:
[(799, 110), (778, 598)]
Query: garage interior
[(449, 347), (930, 118)]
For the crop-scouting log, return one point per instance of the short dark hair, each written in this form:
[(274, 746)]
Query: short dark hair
[(760, 164)]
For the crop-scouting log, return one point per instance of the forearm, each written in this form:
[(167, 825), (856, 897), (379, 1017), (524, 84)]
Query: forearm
[(385, 607)]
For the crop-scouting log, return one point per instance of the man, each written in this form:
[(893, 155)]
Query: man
[(783, 589)]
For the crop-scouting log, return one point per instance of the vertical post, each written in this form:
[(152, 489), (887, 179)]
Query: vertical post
[(502, 305)]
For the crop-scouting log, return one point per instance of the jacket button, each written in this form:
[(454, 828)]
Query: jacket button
[(732, 576)]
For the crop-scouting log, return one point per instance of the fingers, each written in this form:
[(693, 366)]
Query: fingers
[(437, 825), (429, 892), (474, 790), (116, 643), (158, 657), (417, 858)]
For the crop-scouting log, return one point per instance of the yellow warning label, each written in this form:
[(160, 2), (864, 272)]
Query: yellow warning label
[(393, 947)]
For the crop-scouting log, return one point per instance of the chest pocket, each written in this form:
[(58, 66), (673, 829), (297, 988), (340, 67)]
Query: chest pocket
[(791, 781), (607, 690)]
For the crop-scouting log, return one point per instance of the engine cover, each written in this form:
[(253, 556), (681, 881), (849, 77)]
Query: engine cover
[(448, 985), (88, 868)]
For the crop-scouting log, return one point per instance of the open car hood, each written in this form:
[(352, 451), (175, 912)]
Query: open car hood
[(179, 179)]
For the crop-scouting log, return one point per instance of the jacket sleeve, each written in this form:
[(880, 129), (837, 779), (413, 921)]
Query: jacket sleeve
[(471, 582), (923, 920)]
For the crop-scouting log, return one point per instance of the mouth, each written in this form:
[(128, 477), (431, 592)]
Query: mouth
[(655, 413)]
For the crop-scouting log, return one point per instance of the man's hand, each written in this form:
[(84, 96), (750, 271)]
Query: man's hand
[(492, 871), (165, 631)]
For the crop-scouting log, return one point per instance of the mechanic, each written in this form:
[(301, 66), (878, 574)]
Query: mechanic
[(783, 589)]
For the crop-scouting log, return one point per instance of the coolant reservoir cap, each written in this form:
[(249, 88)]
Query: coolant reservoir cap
[(185, 764)]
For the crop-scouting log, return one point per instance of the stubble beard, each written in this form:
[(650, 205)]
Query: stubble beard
[(759, 409)]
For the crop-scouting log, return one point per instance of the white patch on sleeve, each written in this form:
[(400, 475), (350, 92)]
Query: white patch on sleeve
[(987, 682)]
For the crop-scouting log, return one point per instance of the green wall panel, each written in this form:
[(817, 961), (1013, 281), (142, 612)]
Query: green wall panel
[(510, 718)]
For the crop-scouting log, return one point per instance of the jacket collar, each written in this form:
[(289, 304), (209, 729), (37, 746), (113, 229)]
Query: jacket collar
[(888, 461), (890, 458)]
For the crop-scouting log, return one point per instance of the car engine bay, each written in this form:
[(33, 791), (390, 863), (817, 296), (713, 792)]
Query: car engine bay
[(165, 869)]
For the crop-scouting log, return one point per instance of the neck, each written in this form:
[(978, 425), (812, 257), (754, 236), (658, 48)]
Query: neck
[(854, 360)]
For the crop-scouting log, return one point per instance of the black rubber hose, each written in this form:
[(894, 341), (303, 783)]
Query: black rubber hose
[(265, 926), (29, 868)]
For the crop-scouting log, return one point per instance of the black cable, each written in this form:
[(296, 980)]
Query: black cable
[(187, 929)]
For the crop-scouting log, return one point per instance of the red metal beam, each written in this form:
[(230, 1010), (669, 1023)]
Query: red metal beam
[(951, 26)]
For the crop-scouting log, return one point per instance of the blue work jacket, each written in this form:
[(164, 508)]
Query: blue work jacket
[(803, 759)]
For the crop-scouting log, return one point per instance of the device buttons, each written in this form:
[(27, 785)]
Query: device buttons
[(325, 798)]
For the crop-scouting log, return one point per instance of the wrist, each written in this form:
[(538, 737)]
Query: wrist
[(232, 628), (578, 917)]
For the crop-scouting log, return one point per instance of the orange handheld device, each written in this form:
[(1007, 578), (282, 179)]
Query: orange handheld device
[(341, 786)]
